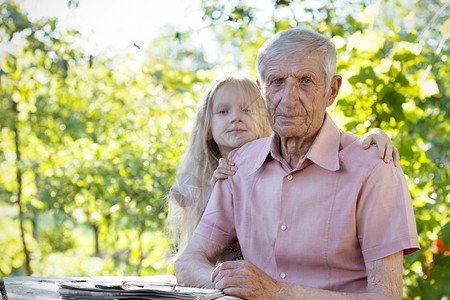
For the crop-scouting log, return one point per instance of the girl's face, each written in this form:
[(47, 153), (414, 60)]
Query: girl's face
[(235, 118)]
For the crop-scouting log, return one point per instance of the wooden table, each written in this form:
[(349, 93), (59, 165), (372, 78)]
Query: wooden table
[(29, 287), (24, 287)]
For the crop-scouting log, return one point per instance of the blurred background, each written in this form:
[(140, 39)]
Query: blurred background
[(97, 99)]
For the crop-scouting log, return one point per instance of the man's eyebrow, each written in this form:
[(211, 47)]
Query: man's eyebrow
[(307, 74), (271, 76), (304, 74)]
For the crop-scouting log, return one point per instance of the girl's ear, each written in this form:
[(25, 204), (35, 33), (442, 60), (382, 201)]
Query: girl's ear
[(209, 137)]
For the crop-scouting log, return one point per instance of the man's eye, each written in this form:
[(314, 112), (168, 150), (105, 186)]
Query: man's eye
[(276, 81), (307, 80)]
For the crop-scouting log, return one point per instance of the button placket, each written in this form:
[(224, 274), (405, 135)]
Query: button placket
[(282, 226)]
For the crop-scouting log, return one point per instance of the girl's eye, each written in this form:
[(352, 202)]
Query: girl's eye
[(246, 110), (222, 111)]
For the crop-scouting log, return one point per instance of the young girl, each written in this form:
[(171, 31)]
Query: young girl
[(230, 114)]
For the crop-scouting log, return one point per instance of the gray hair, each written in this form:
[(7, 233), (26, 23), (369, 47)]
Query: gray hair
[(297, 39)]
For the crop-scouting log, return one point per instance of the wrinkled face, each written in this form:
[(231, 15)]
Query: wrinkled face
[(235, 118), (294, 90)]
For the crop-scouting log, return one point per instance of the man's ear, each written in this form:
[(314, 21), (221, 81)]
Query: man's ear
[(258, 83), (335, 86)]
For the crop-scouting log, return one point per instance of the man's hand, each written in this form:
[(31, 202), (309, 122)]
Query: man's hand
[(224, 169), (243, 279)]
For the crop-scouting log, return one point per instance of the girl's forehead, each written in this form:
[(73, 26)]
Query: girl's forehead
[(234, 94)]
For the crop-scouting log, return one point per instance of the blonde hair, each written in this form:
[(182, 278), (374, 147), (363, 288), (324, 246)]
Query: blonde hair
[(201, 158), (298, 39)]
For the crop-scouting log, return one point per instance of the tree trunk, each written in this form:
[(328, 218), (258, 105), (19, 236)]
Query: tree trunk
[(19, 193), (141, 252), (96, 233), (35, 220)]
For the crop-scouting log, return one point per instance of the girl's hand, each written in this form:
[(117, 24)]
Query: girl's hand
[(226, 168), (386, 149)]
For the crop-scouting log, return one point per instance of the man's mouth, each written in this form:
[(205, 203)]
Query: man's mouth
[(287, 117)]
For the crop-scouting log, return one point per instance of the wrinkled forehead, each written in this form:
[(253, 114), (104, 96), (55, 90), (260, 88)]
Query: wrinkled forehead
[(293, 61)]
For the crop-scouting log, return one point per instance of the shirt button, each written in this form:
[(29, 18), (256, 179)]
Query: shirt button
[(289, 177), (283, 227), (282, 275)]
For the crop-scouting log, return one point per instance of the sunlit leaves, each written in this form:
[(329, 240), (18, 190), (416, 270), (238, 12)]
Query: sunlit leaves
[(368, 41), (100, 138)]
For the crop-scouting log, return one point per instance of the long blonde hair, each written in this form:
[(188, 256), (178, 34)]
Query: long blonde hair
[(201, 158)]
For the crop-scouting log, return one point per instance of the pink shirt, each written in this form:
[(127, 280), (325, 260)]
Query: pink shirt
[(316, 225)]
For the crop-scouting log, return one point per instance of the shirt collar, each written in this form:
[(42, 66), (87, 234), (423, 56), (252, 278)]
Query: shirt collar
[(324, 151), (266, 151)]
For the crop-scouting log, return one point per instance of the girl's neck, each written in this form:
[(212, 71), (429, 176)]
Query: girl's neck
[(224, 154), (224, 151)]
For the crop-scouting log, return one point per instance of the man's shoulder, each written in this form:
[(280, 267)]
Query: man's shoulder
[(352, 151)]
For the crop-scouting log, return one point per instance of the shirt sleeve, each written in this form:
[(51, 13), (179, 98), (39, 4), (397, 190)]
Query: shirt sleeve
[(184, 192), (385, 215), (217, 222), (177, 194)]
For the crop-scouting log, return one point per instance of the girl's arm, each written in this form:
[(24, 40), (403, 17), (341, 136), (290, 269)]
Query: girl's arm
[(386, 148)]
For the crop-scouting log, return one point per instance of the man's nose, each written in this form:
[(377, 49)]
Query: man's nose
[(291, 92)]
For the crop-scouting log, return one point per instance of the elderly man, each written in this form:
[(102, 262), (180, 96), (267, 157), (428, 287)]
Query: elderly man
[(315, 216)]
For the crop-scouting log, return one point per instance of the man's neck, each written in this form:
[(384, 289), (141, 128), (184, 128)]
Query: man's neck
[(294, 149)]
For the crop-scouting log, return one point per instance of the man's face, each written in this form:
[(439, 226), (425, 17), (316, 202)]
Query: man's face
[(294, 90)]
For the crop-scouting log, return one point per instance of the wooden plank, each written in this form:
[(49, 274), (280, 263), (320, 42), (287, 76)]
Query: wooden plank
[(40, 288), (24, 287)]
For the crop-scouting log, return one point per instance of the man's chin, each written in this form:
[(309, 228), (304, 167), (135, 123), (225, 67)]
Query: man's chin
[(291, 130)]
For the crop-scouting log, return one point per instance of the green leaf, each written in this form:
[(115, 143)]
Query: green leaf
[(445, 234)]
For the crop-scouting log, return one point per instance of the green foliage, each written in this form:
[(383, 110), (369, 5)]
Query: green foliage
[(56, 238), (99, 137), (98, 143)]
